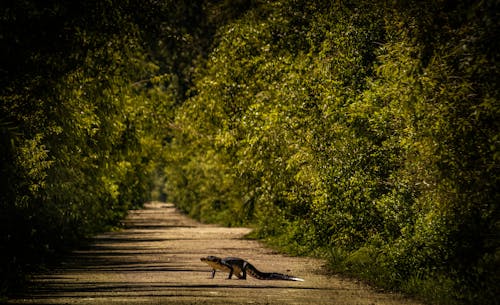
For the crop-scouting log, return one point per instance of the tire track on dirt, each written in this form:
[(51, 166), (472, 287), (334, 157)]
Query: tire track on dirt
[(156, 260)]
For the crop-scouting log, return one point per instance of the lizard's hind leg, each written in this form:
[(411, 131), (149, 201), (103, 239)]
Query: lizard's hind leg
[(231, 271)]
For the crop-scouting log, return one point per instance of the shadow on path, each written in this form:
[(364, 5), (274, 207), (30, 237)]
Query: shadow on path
[(155, 259)]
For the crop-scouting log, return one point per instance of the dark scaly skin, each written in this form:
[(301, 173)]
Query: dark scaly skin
[(241, 267)]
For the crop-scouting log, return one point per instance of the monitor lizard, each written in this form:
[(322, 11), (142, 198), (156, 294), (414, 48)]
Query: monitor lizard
[(241, 267)]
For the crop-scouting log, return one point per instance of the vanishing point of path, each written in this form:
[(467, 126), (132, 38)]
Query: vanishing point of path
[(156, 260)]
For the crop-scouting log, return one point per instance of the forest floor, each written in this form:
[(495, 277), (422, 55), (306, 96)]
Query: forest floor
[(155, 259)]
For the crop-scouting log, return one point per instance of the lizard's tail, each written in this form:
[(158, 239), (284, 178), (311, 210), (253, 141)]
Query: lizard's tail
[(285, 277), (270, 275)]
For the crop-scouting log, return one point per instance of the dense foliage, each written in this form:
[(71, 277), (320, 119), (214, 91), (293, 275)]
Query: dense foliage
[(84, 106), (366, 132)]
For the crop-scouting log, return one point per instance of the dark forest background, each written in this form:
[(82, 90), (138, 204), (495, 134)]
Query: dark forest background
[(364, 132)]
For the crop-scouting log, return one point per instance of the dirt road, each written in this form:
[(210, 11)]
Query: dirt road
[(156, 260)]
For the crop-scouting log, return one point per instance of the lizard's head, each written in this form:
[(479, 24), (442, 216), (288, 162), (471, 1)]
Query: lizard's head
[(215, 262), (211, 258)]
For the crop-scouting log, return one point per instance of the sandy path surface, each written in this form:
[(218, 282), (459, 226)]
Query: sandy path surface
[(156, 260)]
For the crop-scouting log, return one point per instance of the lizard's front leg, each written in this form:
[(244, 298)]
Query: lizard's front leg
[(213, 273)]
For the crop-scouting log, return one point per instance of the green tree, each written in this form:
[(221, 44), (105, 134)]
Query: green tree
[(364, 131)]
